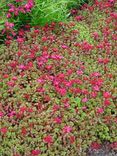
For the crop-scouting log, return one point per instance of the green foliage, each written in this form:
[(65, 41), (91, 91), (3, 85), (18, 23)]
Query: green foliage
[(53, 10), (48, 11)]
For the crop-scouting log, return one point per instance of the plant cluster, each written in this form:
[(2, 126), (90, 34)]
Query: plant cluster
[(58, 85), (15, 14)]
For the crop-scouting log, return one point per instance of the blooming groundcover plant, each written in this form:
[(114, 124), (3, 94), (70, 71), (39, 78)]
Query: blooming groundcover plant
[(58, 86), (33, 12)]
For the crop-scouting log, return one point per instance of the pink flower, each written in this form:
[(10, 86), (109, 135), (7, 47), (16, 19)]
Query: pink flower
[(67, 105), (79, 72), (35, 152), (96, 74), (106, 95), (12, 9), (100, 60), (11, 83), (14, 78), (40, 80), (57, 120), (67, 129), (64, 46), (8, 15), (20, 40), (96, 88), (56, 57), (84, 108), (62, 91), (100, 110), (111, 1), (56, 107), (9, 25), (93, 94), (85, 100), (22, 67), (48, 139), (95, 35), (78, 18), (1, 114), (11, 114)]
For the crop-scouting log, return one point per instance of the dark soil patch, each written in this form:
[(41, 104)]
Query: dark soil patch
[(105, 150)]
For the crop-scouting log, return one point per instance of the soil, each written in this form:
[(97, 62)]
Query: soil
[(105, 150)]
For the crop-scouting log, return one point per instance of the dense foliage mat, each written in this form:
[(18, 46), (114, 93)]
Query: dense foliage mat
[(58, 86)]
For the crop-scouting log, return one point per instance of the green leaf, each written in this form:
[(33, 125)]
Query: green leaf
[(78, 101)]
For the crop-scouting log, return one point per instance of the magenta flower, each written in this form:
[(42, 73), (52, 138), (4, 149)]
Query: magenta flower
[(9, 25), (67, 129), (96, 88), (100, 110), (8, 15), (79, 72), (1, 114), (64, 46), (22, 67), (11, 114), (58, 120)]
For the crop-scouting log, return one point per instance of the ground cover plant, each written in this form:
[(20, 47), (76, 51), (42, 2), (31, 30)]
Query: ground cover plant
[(58, 85), (14, 14)]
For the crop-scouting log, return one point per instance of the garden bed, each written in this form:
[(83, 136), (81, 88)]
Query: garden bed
[(58, 87)]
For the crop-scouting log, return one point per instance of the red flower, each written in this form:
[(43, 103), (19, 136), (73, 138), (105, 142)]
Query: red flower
[(24, 131), (107, 102), (23, 109), (48, 139), (95, 145), (78, 18), (35, 152), (72, 139), (3, 130), (5, 76)]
